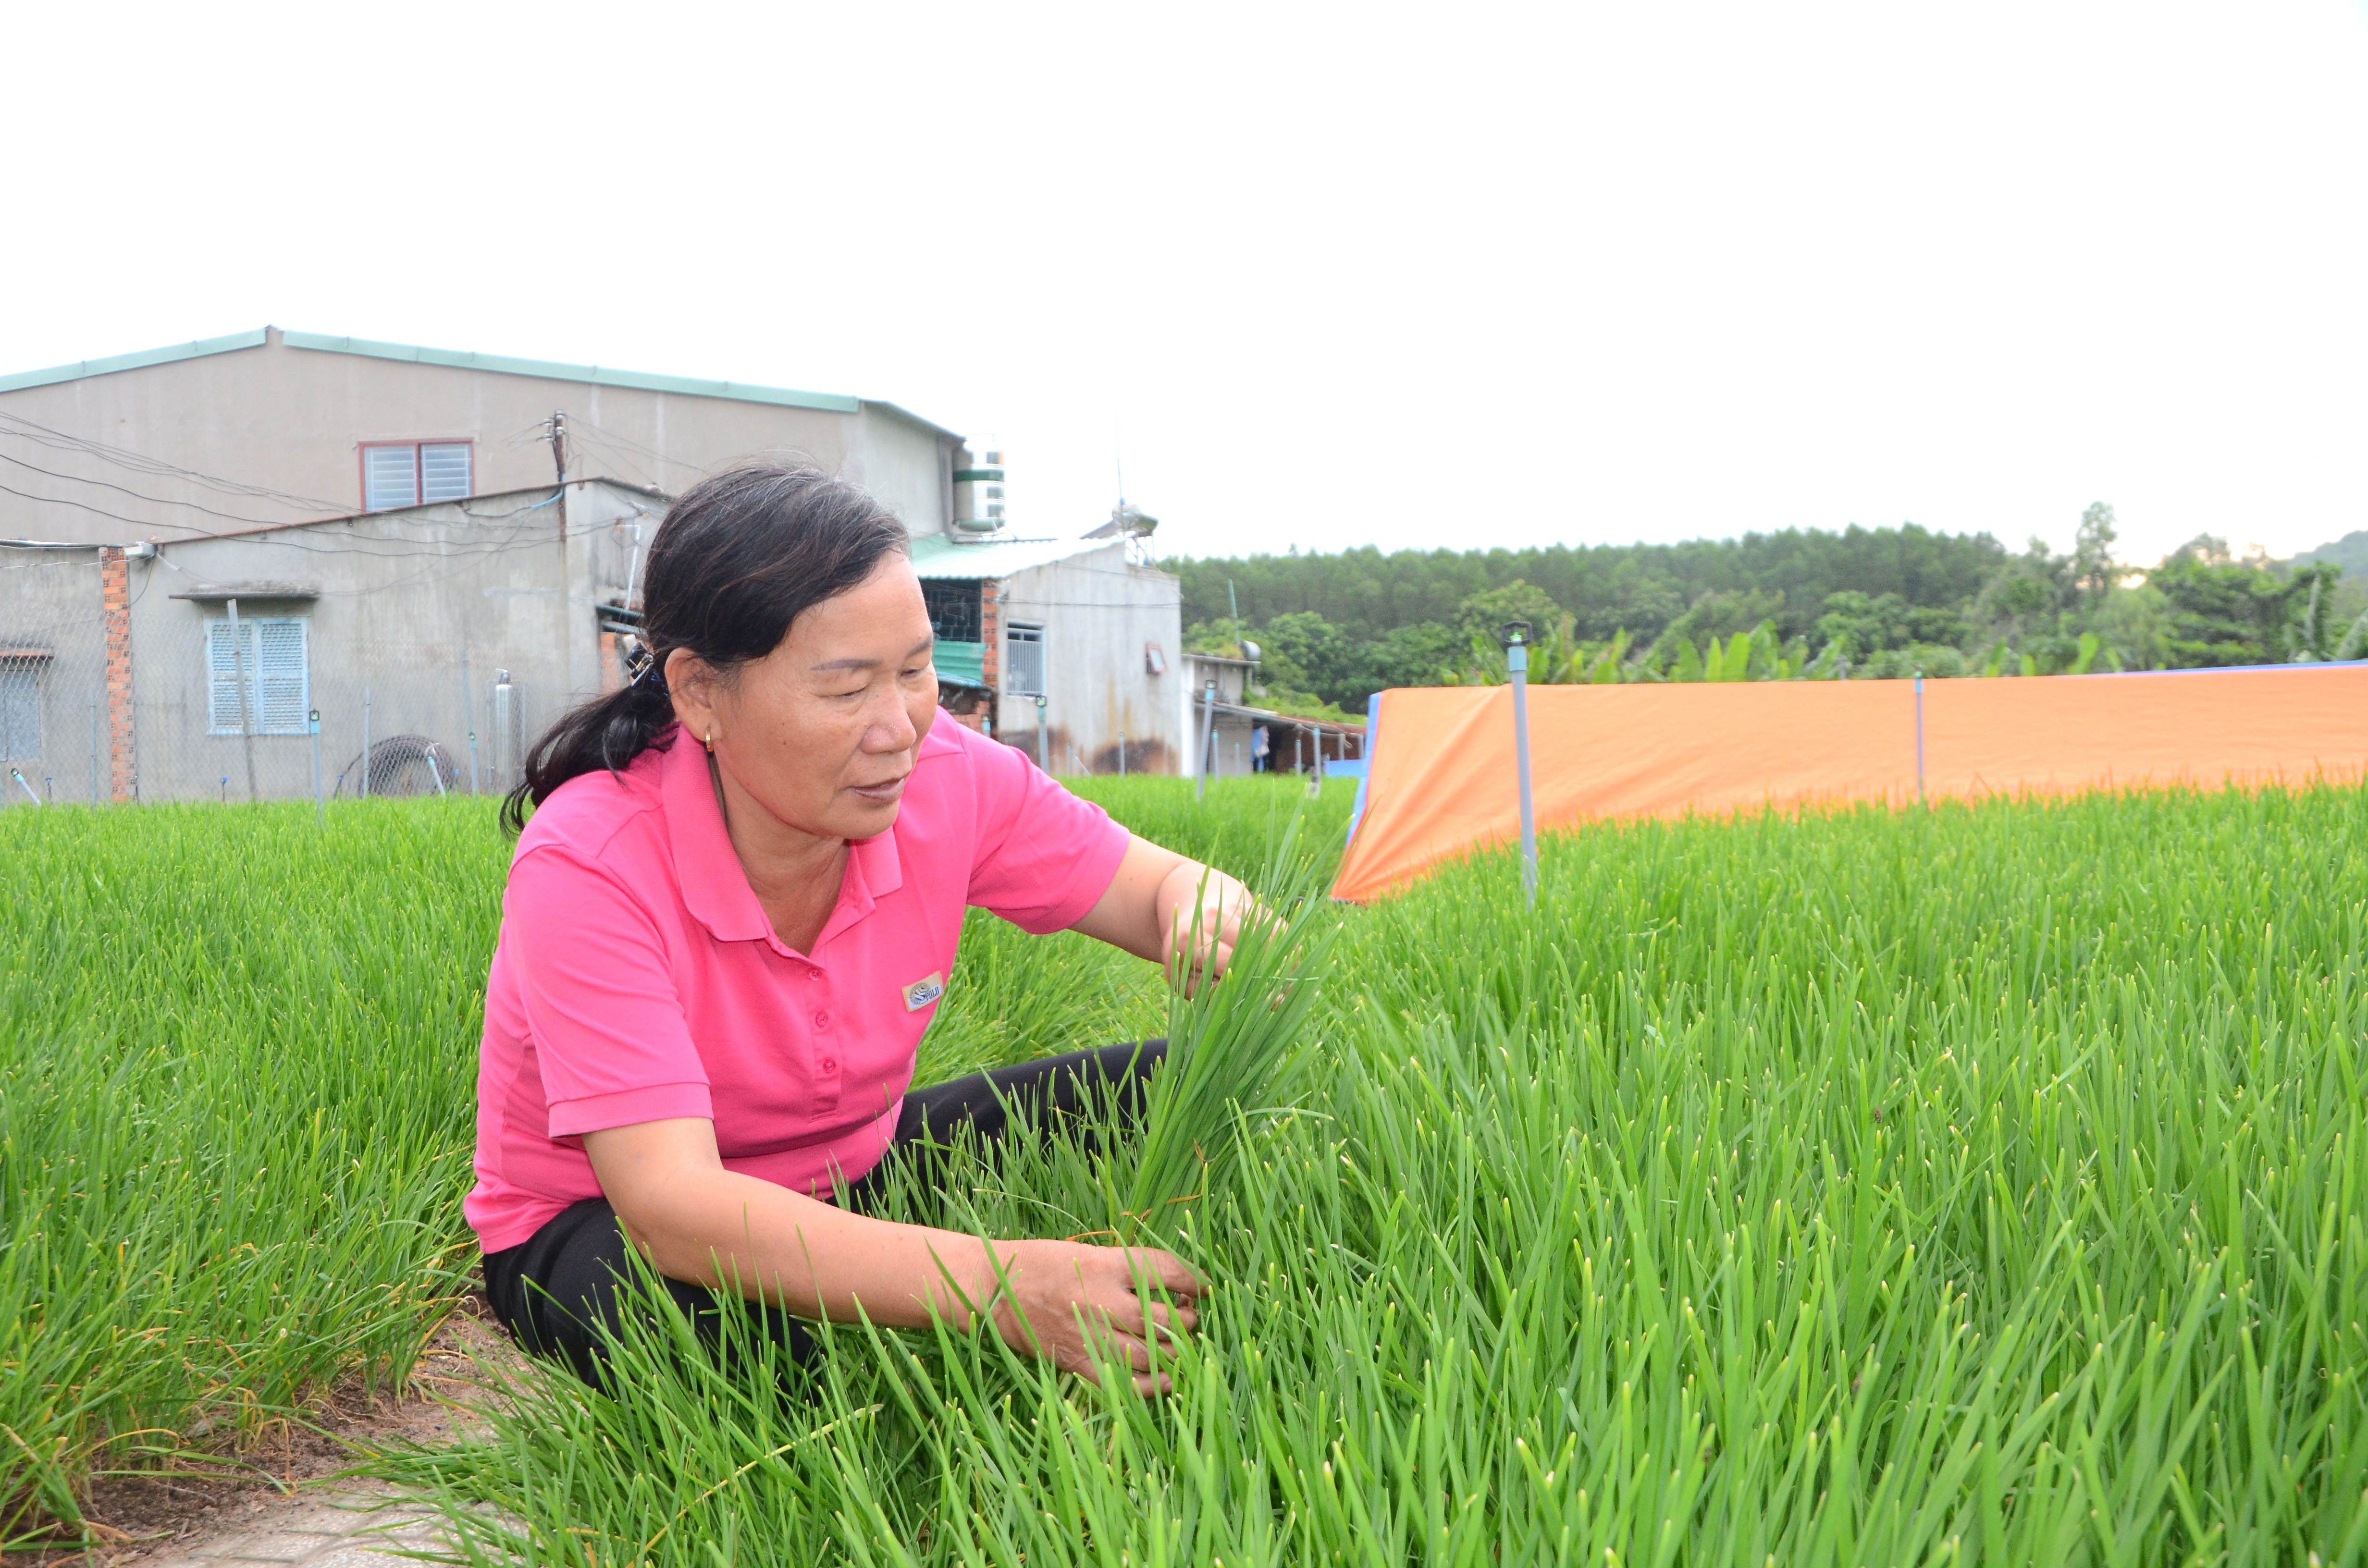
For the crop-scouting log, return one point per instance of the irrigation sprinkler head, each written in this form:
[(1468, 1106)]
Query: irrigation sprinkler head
[(1514, 633)]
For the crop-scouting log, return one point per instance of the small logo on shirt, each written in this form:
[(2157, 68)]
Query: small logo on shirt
[(921, 993)]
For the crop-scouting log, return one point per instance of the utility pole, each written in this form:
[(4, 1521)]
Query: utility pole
[(556, 435), (558, 439), (245, 706), (1208, 740)]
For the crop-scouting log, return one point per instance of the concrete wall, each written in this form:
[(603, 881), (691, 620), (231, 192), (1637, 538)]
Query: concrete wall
[(410, 616), (291, 422), (1098, 612), (53, 641)]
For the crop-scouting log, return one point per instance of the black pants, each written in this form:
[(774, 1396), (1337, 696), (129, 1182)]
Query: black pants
[(557, 1290)]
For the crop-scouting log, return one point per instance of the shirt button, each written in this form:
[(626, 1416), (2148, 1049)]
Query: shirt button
[(830, 1064), (821, 1020)]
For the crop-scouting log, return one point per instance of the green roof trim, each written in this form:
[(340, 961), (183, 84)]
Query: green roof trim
[(939, 556), (145, 356), (962, 664), (550, 371)]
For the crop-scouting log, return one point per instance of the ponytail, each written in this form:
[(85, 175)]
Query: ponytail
[(605, 733), (742, 555)]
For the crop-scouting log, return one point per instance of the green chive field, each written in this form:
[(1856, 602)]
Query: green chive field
[(1977, 1185)]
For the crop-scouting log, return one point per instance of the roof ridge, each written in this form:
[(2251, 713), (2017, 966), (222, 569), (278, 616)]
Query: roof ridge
[(468, 359)]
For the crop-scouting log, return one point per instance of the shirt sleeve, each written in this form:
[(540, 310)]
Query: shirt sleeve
[(1043, 855), (601, 1009)]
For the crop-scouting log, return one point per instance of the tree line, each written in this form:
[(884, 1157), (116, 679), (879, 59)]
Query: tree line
[(1803, 604)]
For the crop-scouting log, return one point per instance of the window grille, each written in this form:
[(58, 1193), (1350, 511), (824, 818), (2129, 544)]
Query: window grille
[(409, 474), (1023, 660), (20, 710), (954, 609), (279, 678)]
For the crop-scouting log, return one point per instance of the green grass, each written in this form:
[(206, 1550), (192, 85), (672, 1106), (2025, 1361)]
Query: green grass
[(237, 1097), (1982, 1184)]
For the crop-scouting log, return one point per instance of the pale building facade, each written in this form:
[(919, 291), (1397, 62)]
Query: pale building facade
[(456, 599), (267, 427)]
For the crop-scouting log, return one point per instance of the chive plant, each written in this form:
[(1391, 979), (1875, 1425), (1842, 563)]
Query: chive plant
[(237, 1063), (1974, 1184), (1232, 1044), (1977, 1185)]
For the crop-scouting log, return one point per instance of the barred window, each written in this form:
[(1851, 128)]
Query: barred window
[(21, 710), (954, 608), (278, 680)]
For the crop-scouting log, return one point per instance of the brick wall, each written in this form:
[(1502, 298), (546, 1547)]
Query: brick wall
[(990, 629), (114, 579)]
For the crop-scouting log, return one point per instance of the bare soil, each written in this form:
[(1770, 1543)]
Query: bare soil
[(236, 1487)]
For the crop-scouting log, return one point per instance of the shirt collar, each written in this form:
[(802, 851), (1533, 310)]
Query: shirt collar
[(715, 886)]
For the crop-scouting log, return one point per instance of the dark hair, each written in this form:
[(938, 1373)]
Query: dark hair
[(737, 559)]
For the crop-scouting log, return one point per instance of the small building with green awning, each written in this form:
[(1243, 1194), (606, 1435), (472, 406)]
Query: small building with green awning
[(1066, 648)]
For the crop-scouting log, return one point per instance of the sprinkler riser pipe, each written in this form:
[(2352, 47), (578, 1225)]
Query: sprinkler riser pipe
[(1517, 664)]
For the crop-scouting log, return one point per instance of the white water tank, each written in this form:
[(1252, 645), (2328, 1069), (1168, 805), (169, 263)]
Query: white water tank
[(978, 488)]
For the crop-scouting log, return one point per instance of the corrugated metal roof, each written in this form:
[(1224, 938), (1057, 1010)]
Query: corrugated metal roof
[(962, 664), (935, 555)]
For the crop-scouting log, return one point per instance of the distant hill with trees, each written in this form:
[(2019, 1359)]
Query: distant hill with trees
[(2350, 552), (1803, 604)]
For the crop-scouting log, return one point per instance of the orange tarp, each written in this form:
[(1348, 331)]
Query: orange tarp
[(1439, 780)]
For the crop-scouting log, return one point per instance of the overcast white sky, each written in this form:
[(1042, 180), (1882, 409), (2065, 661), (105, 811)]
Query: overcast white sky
[(1330, 276)]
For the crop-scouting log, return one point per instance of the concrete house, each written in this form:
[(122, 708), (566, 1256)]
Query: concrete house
[(218, 559), (1222, 718)]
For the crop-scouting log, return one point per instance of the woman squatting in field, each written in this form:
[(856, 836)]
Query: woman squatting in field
[(729, 922)]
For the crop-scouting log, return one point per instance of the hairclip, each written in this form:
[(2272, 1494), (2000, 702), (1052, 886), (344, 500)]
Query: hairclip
[(641, 664)]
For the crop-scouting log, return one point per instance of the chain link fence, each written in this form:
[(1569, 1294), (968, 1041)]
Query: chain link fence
[(54, 744), (245, 702), (268, 718)]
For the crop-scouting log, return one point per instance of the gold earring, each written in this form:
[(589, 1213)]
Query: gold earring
[(711, 742)]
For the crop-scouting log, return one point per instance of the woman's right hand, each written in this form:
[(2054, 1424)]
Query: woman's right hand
[(1081, 1307)]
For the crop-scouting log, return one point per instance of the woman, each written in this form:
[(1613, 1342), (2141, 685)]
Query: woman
[(727, 927)]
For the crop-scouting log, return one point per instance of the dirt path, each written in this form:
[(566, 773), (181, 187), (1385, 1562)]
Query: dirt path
[(281, 1501)]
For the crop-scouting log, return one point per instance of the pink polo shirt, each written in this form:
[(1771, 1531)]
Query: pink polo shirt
[(637, 977)]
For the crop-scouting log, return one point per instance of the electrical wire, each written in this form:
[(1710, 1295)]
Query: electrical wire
[(124, 456), (649, 453), (595, 444), (153, 500), (285, 535), (462, 559), (83, 506)]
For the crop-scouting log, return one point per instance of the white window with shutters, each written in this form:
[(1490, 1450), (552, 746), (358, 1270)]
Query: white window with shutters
[(271, 649), (409, 474), (444, 471), (1023, 659)]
